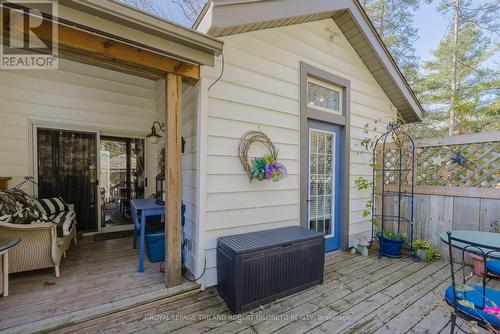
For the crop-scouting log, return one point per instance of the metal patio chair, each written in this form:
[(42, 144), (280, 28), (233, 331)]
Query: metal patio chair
[(471, 302)]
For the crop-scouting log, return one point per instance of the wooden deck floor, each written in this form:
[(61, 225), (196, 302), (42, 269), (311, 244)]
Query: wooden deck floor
[(359, 295), (97, 276)]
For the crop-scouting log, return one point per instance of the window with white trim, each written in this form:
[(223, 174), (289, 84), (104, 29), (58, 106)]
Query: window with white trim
[(324, 96)]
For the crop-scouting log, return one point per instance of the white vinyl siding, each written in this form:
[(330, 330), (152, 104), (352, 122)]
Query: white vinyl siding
[(189, 172), (75, 95), (260, 91)]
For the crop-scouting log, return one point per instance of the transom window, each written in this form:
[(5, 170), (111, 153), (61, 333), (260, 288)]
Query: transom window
[(324, 96)]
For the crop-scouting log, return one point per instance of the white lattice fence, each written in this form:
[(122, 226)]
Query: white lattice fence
[(457, 185), (470, 161), (459, 165)]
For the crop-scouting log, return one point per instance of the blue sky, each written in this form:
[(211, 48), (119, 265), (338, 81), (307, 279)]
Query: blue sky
[(431, 27)]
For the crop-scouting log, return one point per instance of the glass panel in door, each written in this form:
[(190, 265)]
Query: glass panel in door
[(122, 178), (323, 182), (67, 162)]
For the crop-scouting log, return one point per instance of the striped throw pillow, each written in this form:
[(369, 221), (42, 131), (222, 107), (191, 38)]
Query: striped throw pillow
[(50, 206), (21, 200), (27, 216)]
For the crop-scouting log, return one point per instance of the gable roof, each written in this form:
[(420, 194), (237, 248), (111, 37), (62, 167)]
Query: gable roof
[(229, 17)]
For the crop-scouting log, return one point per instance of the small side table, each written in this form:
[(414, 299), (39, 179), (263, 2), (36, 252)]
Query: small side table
[(142, 208), (5, 245)]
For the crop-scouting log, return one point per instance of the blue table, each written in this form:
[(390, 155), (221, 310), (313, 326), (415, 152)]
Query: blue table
[(488, 242), (143, 208)]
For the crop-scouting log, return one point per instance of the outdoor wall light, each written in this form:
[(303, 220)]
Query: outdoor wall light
[(154, 137)]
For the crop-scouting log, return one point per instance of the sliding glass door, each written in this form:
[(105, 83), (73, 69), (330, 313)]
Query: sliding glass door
[(67, 168), (122, 178)]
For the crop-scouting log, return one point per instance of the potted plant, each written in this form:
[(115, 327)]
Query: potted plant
[(478, 260), (477, 264), (391, 243), (425, 251)]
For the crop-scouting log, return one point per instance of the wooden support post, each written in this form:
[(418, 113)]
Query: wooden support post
[(173, 179)]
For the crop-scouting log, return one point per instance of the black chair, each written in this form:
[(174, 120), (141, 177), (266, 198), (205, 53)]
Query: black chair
[(471, 302)]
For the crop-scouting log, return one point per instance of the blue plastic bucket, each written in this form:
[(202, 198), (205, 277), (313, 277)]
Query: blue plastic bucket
[(390, 247), (155, 246)]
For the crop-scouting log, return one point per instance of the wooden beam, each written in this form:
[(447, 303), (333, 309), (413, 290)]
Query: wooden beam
[(115, 65), (460, 139), (474, 192), (77, 41), (173, 193)]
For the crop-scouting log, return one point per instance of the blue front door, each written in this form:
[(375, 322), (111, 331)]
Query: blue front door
[(323, 198)]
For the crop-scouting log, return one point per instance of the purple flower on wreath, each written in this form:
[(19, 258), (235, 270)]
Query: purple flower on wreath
[(275, 171)]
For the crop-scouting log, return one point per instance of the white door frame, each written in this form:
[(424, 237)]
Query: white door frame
[(127, 227)]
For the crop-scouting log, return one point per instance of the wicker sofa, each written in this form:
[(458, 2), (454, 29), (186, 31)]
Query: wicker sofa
[(43, 244)]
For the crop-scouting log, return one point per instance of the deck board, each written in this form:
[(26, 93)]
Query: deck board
[(358, 295), (95, 273), (402, 294)]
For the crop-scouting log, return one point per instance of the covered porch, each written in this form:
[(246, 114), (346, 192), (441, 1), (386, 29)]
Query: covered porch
[(120, 70), (115, 38)]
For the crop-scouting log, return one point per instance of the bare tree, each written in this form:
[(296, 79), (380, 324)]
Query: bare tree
[(150, 6), (454, 69), (190, 8)]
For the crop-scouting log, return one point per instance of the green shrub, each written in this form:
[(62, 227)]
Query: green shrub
[(393, 236), (431, 251), (422, 245)]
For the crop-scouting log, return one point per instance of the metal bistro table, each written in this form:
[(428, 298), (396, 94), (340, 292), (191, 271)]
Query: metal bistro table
[(5, 245), (486, 241), (142, 208)]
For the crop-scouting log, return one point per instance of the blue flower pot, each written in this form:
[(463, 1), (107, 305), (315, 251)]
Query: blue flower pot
[(390, 247)]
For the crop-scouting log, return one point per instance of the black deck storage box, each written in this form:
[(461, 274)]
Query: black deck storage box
[(259, 267)]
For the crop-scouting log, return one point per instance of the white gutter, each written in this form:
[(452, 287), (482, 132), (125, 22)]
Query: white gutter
[(136, 25)]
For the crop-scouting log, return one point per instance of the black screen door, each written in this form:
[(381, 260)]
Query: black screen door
[(67, 168)]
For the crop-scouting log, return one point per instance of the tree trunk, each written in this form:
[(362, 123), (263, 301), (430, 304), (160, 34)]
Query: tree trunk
[(454, 86), (382, 17)]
